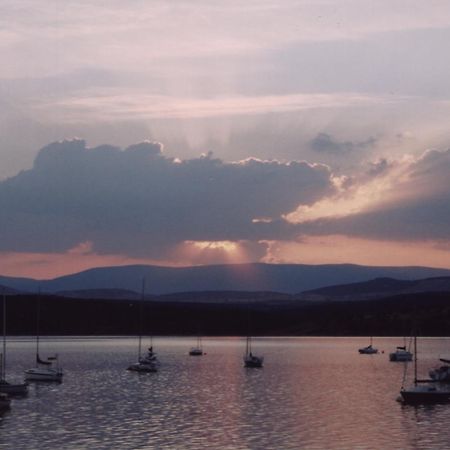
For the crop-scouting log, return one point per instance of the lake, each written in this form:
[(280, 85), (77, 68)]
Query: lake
[(313, 393)]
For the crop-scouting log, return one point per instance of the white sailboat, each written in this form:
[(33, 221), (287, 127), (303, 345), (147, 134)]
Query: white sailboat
[(401, 354), (149, 362), (45, 370), (5, 386)]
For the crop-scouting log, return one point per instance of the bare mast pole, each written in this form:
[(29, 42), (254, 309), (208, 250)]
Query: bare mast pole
[(4, 339), (141, 307)]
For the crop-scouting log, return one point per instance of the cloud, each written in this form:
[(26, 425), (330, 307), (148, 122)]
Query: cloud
[(324, 143), (112, 104), (403, 200), (140, 203)]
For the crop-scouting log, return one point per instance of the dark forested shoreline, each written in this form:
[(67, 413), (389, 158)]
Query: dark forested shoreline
[(428, 313)]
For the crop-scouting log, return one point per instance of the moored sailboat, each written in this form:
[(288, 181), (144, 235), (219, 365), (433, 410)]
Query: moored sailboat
[(425, 392), (5, 386), (402, 354), (251, 360), (198, 349), (149, 362), (369, 350), (45, 370), (441, 373)]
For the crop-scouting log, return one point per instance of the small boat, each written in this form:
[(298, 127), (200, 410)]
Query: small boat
[(198, 349), (44, 370), (251, 360), (442, 373), (420, 394), (149, 362), (5, 386), (401, 354), (369, 350), (423, 393)]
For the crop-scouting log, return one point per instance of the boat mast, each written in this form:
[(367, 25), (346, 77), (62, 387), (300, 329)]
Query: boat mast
[(248, 346), (141, 307), (38, 313), (3, 374), (415, 360)]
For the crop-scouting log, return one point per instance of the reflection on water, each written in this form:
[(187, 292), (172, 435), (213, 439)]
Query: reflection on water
[(313, 393)]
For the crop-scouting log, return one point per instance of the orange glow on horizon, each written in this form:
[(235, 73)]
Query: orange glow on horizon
[(312, 250), (343, 250)]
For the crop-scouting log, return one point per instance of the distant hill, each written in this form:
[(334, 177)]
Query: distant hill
[(7, 290), (382, 287), (122, 294), (283, 278)]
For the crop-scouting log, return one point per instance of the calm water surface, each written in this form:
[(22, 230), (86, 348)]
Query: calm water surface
[(313, 393)]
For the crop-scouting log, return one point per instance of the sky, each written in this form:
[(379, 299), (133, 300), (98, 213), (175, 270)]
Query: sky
[(206, 132)]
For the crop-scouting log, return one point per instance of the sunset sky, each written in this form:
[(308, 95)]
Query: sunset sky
[(197, 132)]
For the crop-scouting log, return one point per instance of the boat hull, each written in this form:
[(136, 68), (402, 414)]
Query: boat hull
[(13, 389), (142, 367), (400, 357), (253, 361), (196, 352), (365, 351), (426, 395), (43, 375)]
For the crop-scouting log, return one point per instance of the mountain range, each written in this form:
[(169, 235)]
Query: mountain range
[(282, 278)]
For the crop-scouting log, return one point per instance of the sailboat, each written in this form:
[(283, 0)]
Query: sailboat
[(441, 373), (44, 370), (198, 349), (5, 386), (369, 350), (426, 392), (149, 362), (401, 353), (251, 360)]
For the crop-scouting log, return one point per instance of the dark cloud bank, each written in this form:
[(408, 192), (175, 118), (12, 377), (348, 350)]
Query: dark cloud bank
[(139, 202)]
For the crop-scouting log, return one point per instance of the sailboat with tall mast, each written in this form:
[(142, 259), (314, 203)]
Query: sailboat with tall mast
[(251, 360), (149, 362), (423, 391), (5, 386), (45, 370), (198, 349), (402, 353)]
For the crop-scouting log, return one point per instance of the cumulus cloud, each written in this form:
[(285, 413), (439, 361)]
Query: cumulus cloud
[(139, 202), (325, 143)]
